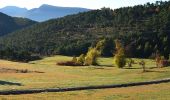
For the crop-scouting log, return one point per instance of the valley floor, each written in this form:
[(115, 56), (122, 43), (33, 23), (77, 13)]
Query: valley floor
[(46, 74)]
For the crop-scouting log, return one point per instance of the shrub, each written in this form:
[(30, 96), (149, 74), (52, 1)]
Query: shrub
[(74, 59), (24, 71), (164, 63), (120, 61), (69, 63), (81, 59), (161, 61)]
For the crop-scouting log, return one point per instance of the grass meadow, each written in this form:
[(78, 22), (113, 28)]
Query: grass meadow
[(106, 73), (148, 92)]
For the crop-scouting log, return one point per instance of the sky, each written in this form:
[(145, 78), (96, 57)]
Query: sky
[(92, 4)]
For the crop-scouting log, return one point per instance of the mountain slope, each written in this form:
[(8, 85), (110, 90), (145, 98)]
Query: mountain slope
[(43, 13), (143, 30), (9, 24)]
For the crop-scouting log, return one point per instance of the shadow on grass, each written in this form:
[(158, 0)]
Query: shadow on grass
[(101, 67), (140, 68), (153, 67), (105, 65), (155, 71), (97, 68), (131, 68), (9, 83)]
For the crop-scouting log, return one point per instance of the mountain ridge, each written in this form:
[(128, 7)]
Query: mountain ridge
[(9, 24), (45, 10)]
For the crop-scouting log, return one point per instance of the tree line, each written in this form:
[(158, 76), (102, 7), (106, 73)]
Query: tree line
[(143, 30)]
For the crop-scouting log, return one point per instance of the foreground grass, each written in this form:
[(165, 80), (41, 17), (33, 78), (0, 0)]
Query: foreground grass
[(55, 76), (148, 92)]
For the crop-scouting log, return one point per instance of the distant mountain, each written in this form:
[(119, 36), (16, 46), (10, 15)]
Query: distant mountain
[(43, 13), (14, 11), (9, 24)]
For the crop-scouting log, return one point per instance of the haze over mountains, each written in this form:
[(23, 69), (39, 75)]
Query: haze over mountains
[(43, 13)]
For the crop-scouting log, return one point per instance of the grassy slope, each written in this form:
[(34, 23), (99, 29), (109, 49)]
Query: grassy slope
[(62, 76), (149, 92)]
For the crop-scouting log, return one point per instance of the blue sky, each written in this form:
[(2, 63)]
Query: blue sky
[(93, 4)]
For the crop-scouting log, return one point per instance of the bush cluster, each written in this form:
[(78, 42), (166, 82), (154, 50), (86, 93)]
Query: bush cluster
[(69, 63), (164, 63), (89, 59)]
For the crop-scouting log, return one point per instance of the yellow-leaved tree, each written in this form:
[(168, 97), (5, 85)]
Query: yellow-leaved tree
[(119, 58), (93, 53)]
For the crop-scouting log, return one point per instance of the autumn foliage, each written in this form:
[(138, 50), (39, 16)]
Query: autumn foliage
[(119, 58)]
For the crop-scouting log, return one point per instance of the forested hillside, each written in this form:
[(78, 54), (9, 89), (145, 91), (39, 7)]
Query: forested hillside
[(10, 24), (144, 30)]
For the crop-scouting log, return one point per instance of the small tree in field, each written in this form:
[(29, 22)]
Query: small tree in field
[(119, 58), (142, 63), (94, 53), (91, 57)]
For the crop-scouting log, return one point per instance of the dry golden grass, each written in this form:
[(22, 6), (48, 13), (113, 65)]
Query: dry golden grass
[(148, 92), (66, 76)]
